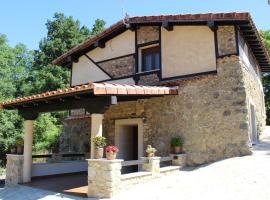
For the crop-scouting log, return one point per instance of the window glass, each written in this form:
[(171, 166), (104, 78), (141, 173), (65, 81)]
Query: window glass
[(150, 59)]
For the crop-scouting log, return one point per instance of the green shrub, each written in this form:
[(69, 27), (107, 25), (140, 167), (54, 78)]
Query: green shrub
[(99, 141), (177, 142)]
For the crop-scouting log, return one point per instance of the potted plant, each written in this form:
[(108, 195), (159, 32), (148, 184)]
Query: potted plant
[(99, 143), (111, 152), (177, 144), (19, 145), (150, 151)]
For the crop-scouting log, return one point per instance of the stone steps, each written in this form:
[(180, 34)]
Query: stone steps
[(169, 170)]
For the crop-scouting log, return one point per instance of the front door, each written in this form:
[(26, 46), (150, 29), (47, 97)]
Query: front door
[(128, 145)]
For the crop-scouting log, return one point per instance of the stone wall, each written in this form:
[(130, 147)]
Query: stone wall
[(255, 95), (120, 67), (147, 34), (226, 40), (75, 136), (14, 170), (148, 79), (210, 114)]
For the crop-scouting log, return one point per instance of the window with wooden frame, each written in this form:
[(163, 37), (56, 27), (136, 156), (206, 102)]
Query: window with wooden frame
[(150, 58)]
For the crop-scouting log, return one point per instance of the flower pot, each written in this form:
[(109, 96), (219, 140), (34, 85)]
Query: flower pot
[(98, 153), (150, 154), (110, 155), (178, 150), (19, 150)]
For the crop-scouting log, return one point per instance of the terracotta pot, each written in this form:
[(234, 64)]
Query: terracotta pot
[(110, 155), (19, 150), (178, 150), (150, 154), (98, 153)]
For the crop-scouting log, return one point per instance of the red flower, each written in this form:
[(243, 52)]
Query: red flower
[(112, 148)]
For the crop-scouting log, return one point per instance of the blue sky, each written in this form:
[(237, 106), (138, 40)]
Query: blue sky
[(24, 21)]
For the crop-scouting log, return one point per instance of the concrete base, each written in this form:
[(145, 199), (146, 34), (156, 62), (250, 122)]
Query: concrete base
[(178, 159)]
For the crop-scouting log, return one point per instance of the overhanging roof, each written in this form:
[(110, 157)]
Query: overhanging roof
[(92, 96), (243, 20)]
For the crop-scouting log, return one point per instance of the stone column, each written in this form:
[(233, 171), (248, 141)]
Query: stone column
[(178, 159), (151, 164), (96, 129), (104, 177), (28, 142), (14, 174)]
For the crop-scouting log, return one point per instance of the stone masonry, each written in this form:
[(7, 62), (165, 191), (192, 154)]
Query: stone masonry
[(255, 95), (226, 40), (14, 170), (75, 136), (151, 164), (147, 34), (119, 67), (148, 79), (104, 177), (210, 114)]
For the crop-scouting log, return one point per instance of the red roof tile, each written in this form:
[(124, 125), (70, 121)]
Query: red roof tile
[(99, 89)]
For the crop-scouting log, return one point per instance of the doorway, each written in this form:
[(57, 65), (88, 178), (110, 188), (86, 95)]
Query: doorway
[(128, 137), (254, 134)]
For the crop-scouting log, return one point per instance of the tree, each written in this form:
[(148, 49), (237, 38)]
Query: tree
[(266, 76), (63, 34), (13, 66), (24, 72)]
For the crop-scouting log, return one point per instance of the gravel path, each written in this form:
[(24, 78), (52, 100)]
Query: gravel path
[(242, 178)]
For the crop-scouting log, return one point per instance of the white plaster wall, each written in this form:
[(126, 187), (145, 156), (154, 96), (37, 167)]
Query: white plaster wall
[(187, 50), (45, 169), (128, 81), (249, 61), (120, 45), (85, 71)]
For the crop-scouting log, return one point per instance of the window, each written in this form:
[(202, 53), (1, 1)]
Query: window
[(150, 59)]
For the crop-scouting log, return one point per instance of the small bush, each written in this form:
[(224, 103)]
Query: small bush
[(99, 141), (177, 142)]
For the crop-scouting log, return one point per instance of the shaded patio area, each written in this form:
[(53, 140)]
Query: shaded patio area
[(72, 184)]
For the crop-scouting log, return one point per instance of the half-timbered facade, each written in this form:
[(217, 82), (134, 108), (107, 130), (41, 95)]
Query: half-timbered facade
[(147, 79)]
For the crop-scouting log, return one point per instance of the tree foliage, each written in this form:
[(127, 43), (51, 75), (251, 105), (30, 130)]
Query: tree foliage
[(266, 76), (24, 72)]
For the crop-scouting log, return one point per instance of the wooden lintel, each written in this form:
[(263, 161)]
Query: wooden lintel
[(90, 104), (131, 27), (211, 25), (167, 26), (72, 59), (99, 44)]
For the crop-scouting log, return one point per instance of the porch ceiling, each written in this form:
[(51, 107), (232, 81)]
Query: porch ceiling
[(94, 97)]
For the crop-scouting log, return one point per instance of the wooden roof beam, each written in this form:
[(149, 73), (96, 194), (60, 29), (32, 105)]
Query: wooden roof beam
[(167, 26)]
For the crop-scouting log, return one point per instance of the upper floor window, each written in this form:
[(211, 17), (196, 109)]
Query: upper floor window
[(150, 59)]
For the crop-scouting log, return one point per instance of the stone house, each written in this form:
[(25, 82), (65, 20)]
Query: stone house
[(216, 60), (209, 64)]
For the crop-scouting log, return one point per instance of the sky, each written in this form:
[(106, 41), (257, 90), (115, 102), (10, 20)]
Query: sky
[(23, 21)]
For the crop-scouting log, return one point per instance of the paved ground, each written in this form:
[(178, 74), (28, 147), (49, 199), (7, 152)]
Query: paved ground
[(243, 178)]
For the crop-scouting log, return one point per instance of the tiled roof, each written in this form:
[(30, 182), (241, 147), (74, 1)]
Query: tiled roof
[(233, 17), (99, 89)]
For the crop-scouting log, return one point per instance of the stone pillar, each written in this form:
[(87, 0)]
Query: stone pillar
[(28, 142), (104, 177), (14, 174), (151, 164), (178, 159), (96, 129)]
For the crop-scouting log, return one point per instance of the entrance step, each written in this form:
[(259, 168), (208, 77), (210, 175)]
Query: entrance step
[(169, 170)]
